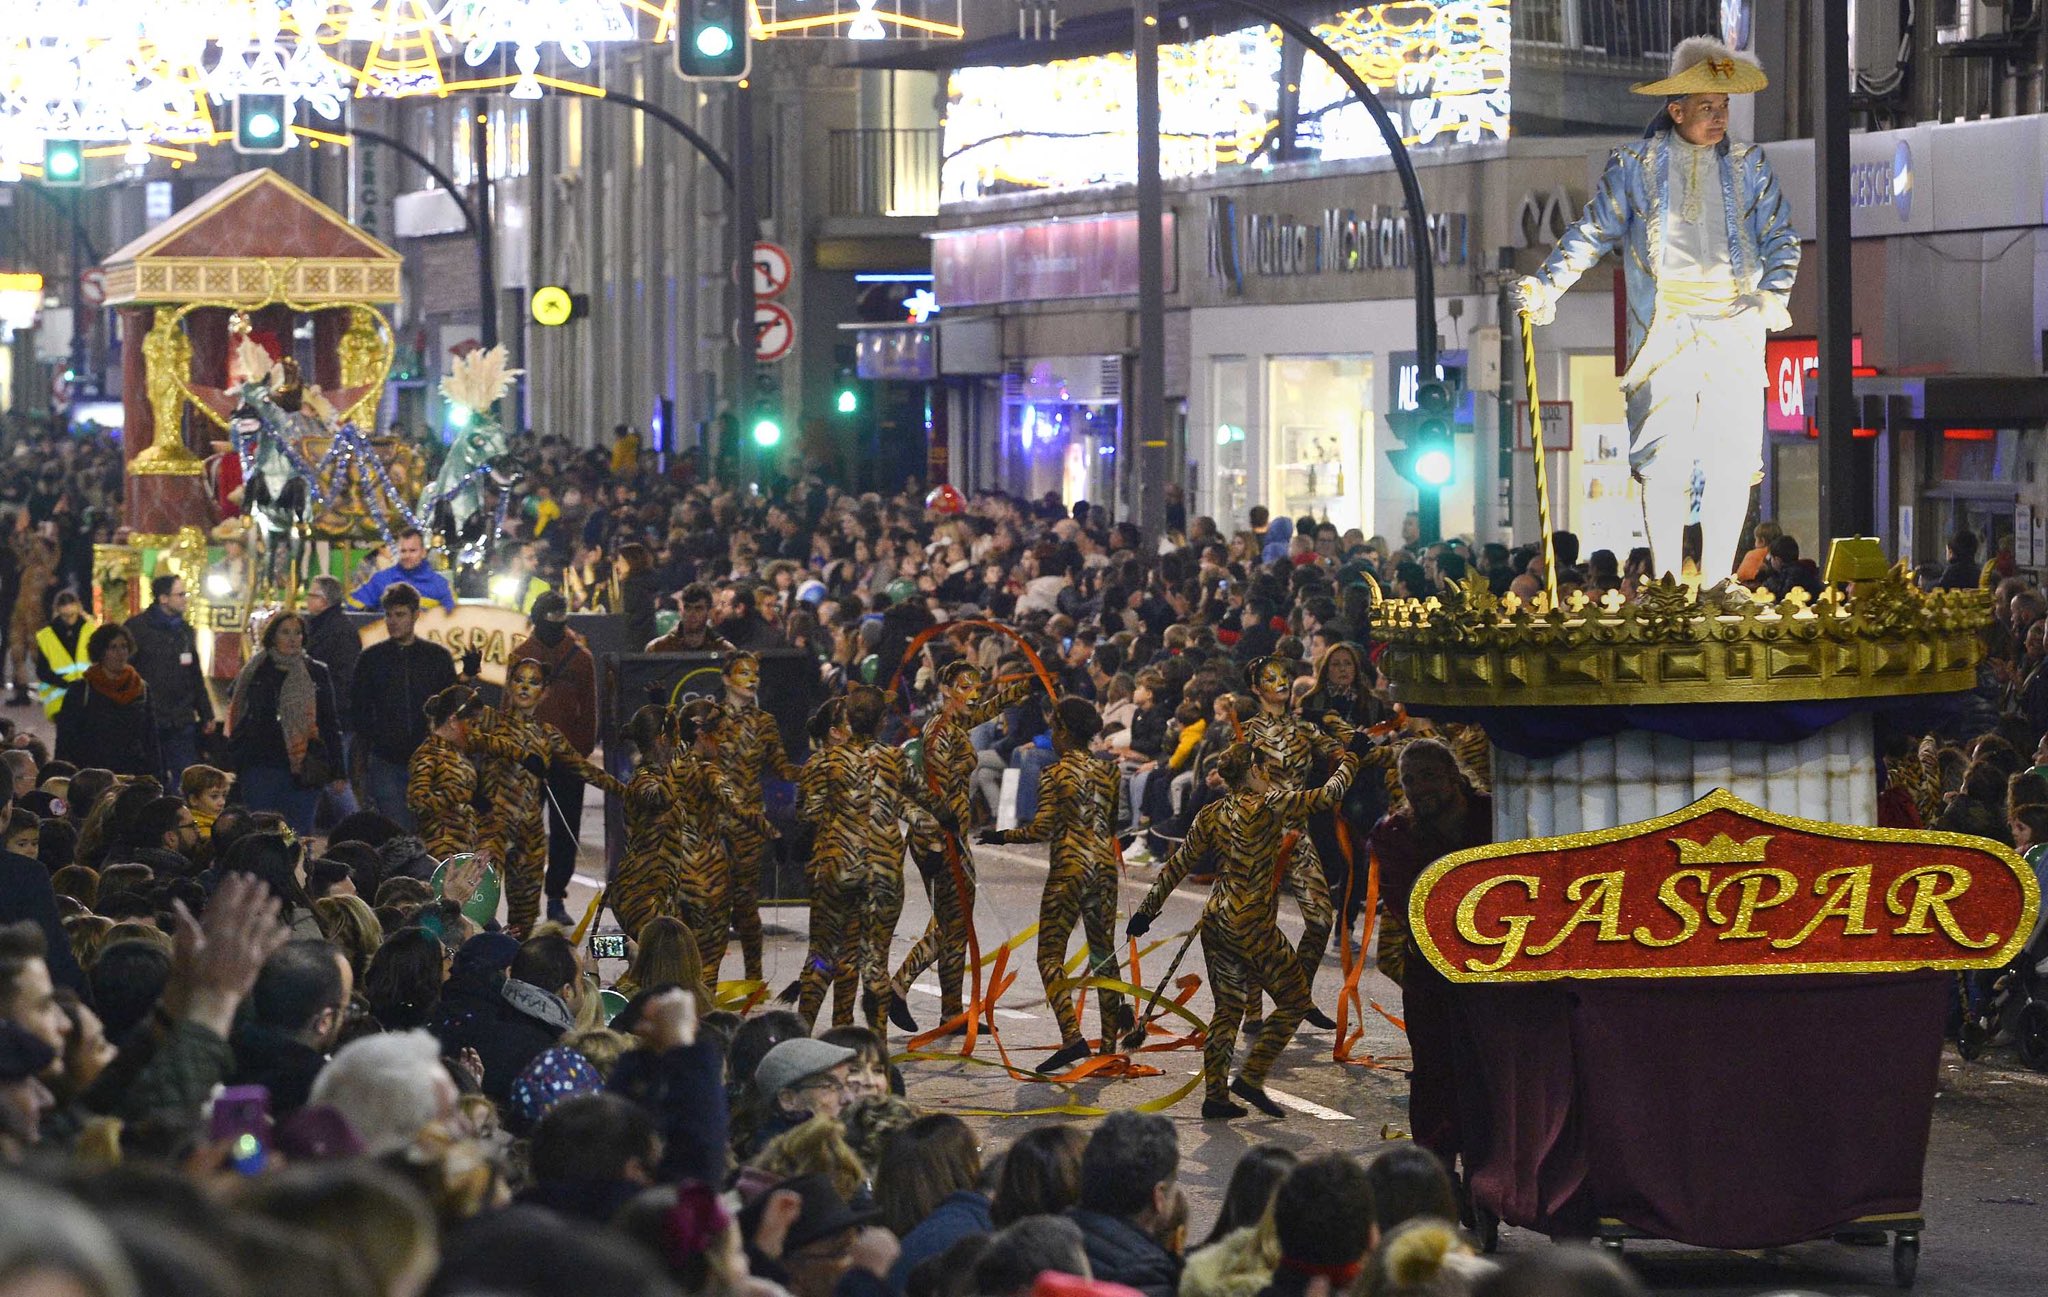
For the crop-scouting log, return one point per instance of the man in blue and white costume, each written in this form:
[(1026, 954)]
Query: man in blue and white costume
[(1709, 255)]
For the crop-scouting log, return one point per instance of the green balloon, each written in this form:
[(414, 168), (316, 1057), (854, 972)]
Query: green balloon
[(481, 908), (612, 1001)]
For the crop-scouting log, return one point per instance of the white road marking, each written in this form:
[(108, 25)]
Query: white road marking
[(1316, 1110), (930, 989)]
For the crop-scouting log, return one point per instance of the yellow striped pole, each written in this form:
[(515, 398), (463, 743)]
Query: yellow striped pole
[(1542, 473)]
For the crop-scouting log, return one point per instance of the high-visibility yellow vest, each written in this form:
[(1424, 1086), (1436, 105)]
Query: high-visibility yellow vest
[(66, 666)]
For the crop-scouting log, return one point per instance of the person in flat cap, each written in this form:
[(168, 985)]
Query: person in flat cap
[(1709, 262), (800, 1079)]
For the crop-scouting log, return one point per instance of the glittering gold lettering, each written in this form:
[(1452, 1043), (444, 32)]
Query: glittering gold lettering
[(1928, 902), (1510, 942), (1850, 903), (1751, 882), (1688, 914), (1599, 897)]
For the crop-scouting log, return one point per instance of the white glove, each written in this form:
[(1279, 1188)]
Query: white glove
[(1535, 299), (1777, 314)]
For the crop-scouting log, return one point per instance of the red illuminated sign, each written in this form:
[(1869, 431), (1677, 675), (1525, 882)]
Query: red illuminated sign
[(1787, 362)]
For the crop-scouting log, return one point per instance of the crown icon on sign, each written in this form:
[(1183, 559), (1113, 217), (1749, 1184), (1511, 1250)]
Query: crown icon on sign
[(1721, 850)]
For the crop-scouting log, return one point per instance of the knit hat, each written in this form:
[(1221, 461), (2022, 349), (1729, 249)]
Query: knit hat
[(793, 1062)]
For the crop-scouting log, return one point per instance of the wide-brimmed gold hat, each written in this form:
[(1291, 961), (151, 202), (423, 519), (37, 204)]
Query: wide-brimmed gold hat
[(1702, 65)]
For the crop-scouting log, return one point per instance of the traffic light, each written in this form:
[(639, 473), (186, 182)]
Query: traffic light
[(263, 122), (1425, 457), (767, 431), (63, 163), (849, 400), (711, 40)]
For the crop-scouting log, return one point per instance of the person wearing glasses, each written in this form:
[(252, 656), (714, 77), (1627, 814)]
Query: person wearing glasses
[(800, 1079)]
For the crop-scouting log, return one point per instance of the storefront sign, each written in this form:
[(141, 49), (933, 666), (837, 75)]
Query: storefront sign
[(1723, 888), (1092, 256), (1341, 240), (1788, 362), (905, 353)]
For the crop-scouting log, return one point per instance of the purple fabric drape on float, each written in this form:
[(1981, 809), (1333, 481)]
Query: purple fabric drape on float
[(1721, 1112)]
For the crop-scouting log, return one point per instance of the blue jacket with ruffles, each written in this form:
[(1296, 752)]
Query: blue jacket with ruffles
[(1627, 211)]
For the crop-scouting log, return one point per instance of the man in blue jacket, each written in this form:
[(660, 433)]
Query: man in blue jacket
[(1709, 253), (413, 569)]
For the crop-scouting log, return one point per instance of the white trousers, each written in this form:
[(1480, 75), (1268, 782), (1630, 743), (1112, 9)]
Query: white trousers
[(1696, 400)]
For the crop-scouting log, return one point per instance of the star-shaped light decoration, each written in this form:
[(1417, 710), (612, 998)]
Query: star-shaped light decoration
[(922, 305)]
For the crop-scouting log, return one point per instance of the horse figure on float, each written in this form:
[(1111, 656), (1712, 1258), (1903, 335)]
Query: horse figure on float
[(265, 431), (453, 504)]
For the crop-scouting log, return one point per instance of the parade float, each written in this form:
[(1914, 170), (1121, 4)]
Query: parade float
[(256, 358), (1706, 994)]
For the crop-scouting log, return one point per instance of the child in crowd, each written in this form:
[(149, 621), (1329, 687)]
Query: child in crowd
[(205, 790)]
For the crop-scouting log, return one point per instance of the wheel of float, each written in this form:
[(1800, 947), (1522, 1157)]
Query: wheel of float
[(1905, 1259), (2030, 1033)]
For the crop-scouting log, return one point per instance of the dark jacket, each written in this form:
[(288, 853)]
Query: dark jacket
[(594, 1201), (259, 737), (167, 655), (94, 730), (333, 641), (26, 896), (1119, 1252), (278, 1061), (637, 596), (1961, 574), (506, 1034), (684, 1089), (570, 703), (387, 703), (957, 1216)]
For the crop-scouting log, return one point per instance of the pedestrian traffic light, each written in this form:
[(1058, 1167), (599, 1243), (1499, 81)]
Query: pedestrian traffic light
[(263, 122), (849, 400), (767, 432), (63, 163), (711, 40)]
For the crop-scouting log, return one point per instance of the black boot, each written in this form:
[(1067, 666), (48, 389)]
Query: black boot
[(1063, 1058), (1221, 1110), (1317, 1018), (1257, 1097), (899, 1013)]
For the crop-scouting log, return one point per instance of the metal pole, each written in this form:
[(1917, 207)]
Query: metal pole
[(486, 248), (1845, 489), (679, 126), (1146, 435), (746, 230)]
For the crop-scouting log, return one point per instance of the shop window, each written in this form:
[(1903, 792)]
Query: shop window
[(1230, 485), (1319, 437)]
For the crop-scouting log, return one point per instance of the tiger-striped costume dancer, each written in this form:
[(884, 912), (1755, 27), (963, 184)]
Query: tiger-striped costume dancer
[(1295, 744), (1244, 834), (649, 879), (750, 753), (891, 807), (834, 793), (440, 784), (1077, 804), (515, 826), (711, 809), (949, 783)]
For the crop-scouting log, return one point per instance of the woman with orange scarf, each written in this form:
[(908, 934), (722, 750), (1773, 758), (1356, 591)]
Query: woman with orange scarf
[(106, 719), (282, 727)]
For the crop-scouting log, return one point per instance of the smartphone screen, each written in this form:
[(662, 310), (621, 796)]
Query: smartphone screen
[(608, 945), (241, 1118)]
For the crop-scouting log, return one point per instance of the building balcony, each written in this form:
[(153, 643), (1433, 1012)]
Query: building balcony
[(884, 172)]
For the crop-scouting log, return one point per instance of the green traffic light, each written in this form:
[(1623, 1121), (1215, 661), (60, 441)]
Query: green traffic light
[(1433, 466), (263, 126), (849, 400), (62, 161), (767, 432), (714, 42)]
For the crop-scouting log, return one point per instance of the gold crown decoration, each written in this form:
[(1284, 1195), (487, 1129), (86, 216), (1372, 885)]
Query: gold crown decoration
[(1722, 850), (1677, 644)]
